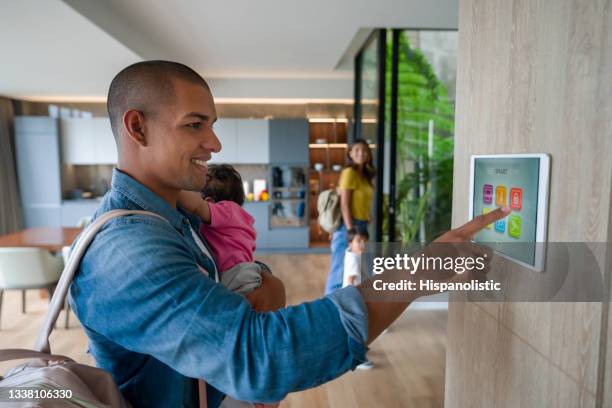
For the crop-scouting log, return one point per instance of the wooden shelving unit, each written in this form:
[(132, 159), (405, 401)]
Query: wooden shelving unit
[(328, 148)]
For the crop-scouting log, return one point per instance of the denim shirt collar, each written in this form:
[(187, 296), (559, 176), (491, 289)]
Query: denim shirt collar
[(146, 199)]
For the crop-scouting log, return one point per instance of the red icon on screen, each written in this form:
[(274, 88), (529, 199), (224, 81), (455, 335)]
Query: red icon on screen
[(516, 198)]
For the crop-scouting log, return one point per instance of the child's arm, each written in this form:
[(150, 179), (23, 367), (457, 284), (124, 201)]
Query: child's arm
[(194, 203), (351, 268)]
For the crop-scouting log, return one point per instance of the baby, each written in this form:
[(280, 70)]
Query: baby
[(228, 228)]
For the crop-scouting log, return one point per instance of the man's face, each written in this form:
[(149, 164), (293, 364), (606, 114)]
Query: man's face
[(181, 138)]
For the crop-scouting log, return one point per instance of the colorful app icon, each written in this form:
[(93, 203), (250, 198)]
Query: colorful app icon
[(514, 226), (500, 225), (484, 211), (516, 198), (500, 196), (487, 194)]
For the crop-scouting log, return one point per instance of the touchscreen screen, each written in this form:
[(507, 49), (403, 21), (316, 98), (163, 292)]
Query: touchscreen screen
[(512, 182)]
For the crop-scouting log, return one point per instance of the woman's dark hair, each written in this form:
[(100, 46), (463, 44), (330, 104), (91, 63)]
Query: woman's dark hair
[(223, 183), (368, 171), (351, 233)]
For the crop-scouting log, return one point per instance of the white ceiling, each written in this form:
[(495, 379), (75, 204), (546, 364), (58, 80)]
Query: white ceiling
[(246, 48)]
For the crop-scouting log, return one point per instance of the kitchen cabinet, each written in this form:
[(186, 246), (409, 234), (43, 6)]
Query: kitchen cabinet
[(243, 141), (38, 170), (274, 238), (104, 142), (74, 211), (227, 133), (253, 141), (87, 141), (77, 137), (288, 238), (289, 141), (259, 211)]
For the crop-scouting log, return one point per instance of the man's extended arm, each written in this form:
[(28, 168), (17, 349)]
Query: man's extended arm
[(151, 298), (382, 314)]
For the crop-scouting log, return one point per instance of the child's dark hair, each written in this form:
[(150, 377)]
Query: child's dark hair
[(351, 233), (223, 183)]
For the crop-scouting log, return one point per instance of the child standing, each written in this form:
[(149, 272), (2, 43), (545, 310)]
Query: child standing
[(357, 241)]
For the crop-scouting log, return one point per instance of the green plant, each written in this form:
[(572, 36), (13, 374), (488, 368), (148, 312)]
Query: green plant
[(424, 178)]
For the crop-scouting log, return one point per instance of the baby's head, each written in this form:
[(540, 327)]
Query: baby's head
[(223, 183), (357, 239)]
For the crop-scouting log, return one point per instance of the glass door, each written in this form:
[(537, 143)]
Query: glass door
[(369, 113), (426, 66), (404, 104)]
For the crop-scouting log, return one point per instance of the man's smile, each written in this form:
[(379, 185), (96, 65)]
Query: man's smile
[(200, 163)]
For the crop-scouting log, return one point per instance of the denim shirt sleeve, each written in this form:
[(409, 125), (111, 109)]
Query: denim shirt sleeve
[(140, 287)]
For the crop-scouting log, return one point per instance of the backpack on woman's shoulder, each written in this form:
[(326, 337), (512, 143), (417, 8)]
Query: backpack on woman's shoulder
[(328, 206)]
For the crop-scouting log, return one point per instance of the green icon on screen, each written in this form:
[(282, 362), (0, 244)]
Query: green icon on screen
[(514, 226)]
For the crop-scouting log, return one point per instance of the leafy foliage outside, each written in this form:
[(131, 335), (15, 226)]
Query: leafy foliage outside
[(424, 183)]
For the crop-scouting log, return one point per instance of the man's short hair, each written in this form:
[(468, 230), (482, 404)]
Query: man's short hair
[(146, 86)]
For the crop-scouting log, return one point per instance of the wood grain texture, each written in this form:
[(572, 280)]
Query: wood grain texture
[(534, 76), (49, 238)]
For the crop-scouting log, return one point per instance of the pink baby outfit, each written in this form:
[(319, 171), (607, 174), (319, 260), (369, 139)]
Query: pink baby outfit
[(230, 234)]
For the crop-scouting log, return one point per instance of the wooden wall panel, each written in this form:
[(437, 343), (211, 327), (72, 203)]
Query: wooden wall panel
[(534, 76)]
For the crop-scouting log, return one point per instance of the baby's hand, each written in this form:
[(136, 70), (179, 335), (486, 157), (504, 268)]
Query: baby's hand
[(194, 203)]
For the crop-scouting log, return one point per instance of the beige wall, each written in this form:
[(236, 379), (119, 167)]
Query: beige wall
[(535, 76)]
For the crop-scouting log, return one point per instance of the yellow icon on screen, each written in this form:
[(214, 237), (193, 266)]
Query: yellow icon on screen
[(500, 196), (484, 211)]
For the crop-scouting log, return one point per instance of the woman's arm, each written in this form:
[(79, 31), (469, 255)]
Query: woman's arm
[(346, 196)]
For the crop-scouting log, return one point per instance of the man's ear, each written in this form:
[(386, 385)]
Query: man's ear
[(134, 124)]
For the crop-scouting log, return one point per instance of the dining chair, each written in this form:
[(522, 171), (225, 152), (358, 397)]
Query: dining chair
[(28, 268)]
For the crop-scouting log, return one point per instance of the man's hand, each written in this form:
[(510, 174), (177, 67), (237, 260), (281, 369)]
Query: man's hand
[(269, 296), (466, 232), (459, 242), (382, 313)]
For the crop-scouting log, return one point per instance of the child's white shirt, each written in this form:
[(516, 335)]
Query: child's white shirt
[(352, 267)]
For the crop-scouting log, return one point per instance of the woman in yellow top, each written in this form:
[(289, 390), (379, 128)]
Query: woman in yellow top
[(356, 192)]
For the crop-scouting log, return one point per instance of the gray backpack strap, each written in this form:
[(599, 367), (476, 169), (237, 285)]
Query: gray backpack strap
[(22, 354), (61, 291)]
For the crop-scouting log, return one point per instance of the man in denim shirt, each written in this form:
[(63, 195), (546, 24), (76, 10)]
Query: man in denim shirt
[(155, 321)]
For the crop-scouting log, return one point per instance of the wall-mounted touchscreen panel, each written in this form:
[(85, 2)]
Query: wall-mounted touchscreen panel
[(521, 183)]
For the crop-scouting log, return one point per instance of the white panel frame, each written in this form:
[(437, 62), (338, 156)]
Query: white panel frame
[(542, 206)]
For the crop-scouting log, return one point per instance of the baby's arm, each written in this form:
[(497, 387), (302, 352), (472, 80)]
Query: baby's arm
[(194, 203)]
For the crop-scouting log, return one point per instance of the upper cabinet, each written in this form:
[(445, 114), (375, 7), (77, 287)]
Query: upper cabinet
[(243, 141), (253, 141), (87, 141), (227, 133), (104, 142), (289, 141)]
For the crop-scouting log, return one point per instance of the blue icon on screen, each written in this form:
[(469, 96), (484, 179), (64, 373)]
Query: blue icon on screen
[(500, 226)]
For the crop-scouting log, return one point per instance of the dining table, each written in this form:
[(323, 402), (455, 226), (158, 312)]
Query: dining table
[(50, 238)]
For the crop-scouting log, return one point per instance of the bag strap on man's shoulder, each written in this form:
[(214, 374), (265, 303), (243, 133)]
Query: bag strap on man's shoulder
[(61, 291)]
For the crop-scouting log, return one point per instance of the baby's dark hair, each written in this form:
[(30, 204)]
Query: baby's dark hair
[(223, 183), (351, 233)]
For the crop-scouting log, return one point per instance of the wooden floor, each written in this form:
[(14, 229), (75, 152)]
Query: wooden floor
[(409, 359)]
